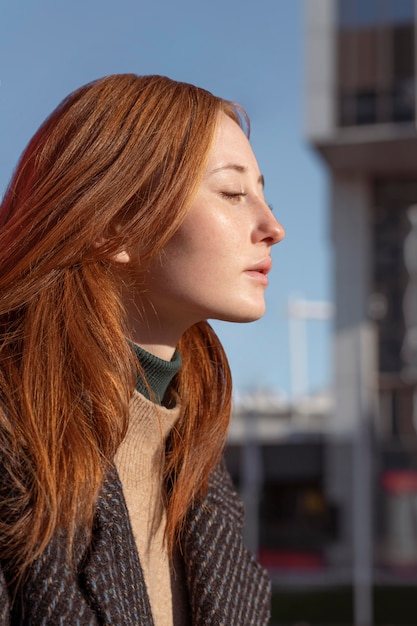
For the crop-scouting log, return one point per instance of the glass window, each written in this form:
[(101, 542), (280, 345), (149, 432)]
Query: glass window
[(366, 107), (366, 12), (346, 13), (403, 52), (376, 62), (347, 110), (398, 11), (402, 106), (358, 13)]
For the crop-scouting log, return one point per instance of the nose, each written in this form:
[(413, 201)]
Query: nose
[(269, 229)]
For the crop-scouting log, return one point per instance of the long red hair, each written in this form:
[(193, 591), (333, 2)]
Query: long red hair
[(123, 150)]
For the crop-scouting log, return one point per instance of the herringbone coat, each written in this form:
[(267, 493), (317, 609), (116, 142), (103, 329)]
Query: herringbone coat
[(225, 584)]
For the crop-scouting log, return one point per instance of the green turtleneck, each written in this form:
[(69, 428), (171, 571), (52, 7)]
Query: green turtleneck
[(158, 373)]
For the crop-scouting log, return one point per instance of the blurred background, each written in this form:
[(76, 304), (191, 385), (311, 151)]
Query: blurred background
[(332, 503), (323, 440)]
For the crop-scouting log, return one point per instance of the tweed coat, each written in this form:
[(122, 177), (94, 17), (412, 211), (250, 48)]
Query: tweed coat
[(225, 584)]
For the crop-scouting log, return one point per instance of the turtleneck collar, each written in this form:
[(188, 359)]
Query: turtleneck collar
[(158, 373)]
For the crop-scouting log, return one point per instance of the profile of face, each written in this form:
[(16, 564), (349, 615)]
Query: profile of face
[(217, 263)]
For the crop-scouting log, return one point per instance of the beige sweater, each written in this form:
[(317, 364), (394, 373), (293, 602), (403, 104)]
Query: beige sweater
[(139, 462)]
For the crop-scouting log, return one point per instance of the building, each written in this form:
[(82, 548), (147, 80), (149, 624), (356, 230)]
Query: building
[(361, 120), (275, 454)]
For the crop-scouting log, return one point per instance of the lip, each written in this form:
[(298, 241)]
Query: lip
[(260, 270)]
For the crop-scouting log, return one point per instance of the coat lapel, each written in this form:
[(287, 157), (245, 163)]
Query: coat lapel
[(226, 585), (113, 577)]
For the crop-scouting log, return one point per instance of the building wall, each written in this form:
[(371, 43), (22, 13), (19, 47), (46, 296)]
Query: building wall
[(319, 72), (357, 155), (354, 351)]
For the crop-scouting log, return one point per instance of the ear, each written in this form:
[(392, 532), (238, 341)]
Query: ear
[(121, 257)]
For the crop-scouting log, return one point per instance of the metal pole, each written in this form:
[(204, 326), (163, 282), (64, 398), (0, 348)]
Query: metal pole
[(362, 496), (252, 477), (298, 350), (299, 311)]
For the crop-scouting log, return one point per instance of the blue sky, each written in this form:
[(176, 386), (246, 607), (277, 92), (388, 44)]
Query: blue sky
[(244, 51)]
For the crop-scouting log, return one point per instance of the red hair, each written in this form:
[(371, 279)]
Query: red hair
[(123, 150)]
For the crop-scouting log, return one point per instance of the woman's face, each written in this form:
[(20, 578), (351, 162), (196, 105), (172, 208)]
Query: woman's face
[(217, 263)]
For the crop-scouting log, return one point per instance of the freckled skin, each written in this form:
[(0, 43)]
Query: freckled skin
[(215, 265)]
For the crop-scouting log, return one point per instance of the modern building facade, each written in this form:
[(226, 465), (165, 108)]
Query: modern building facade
[(361, 119), (276, 455)]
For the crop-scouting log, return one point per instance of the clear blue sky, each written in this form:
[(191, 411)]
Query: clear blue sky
[(250, 52)]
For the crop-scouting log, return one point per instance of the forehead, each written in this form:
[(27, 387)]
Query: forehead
[(230, 145)]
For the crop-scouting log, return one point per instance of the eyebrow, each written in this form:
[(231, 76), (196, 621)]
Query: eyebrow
[(237, 168)]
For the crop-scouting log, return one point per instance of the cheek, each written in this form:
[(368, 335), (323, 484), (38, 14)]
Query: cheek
[(191, 246), (206, 245)]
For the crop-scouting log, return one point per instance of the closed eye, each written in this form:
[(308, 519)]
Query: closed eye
[(234, 196)]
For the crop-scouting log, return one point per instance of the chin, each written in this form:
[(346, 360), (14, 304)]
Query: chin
[(243, 315)]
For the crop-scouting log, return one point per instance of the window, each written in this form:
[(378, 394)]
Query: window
[(368, 13), (393, 234), (353, 13), (375, 62), (398, 11)]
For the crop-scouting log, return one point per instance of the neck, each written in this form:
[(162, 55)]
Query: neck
[(156, 335), (162, 351), (149, 326)]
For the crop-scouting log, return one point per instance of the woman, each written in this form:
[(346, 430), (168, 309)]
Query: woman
[(135, 214)]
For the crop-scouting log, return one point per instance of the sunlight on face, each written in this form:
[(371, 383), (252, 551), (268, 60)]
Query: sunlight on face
[(217, 263)]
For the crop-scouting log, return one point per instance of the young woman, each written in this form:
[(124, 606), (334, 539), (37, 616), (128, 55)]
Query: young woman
[(135, 214)]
